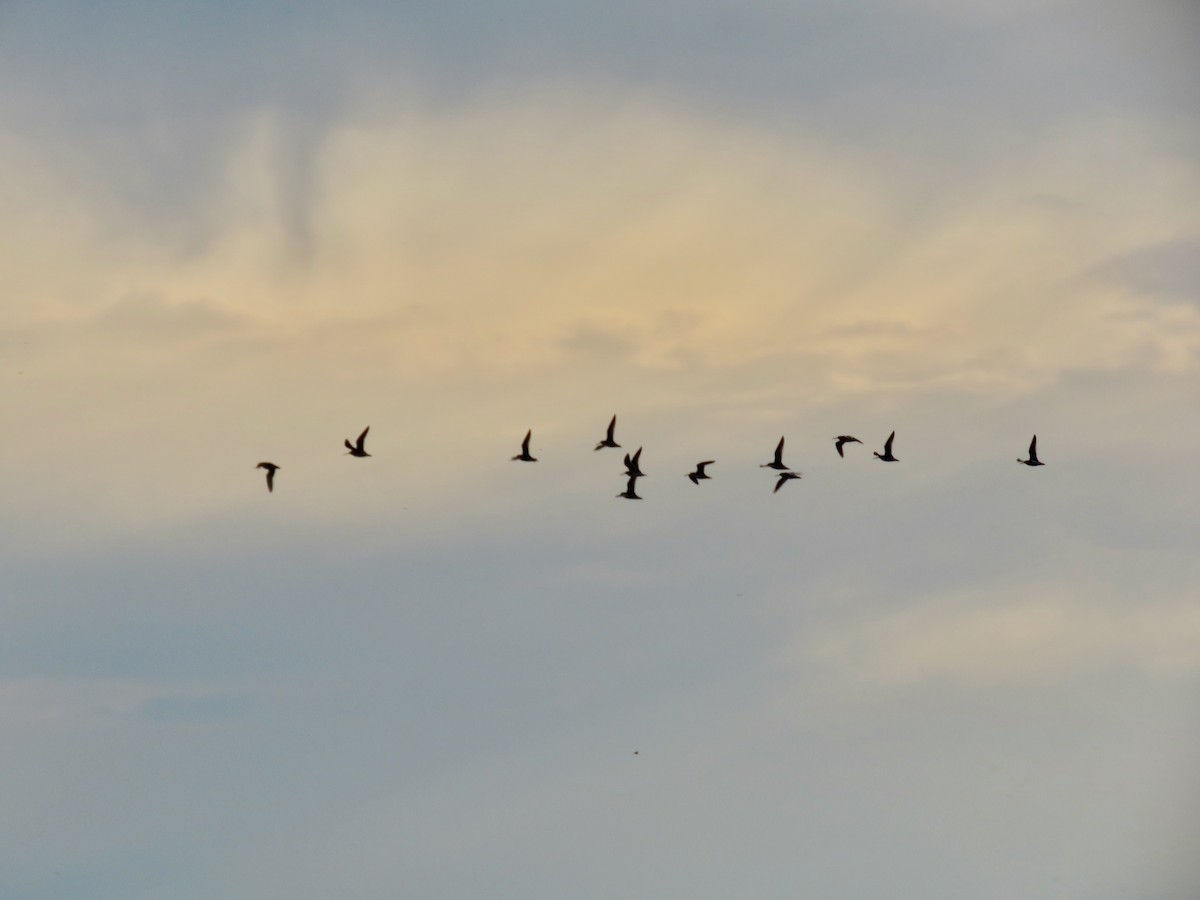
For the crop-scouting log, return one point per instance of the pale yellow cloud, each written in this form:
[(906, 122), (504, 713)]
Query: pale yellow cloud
[(1038, 634), (528, 258)]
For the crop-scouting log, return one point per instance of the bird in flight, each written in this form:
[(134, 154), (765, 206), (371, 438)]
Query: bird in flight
[(629, 493), (783, 477), (356, 449), (608, 436), (842, 440), (777, 462), (699, 473), (631, 464), (524, 454), (886, 455), (270, 467), (1033, 460)]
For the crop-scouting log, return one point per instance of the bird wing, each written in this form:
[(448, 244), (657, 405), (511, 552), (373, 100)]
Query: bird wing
[(887, 447), (611, 426), (270, 480), (525, 443), (700, 465), (779, 452), (362, 437), (349, 446), (838, 446), (1033, 448)]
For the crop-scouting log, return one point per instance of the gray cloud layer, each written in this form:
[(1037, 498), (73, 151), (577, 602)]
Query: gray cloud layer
[(239, 234)]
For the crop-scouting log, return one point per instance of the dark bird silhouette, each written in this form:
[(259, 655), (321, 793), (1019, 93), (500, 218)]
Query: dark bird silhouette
[(356, 449), (842, 440), (886, 455), (783, 477), (777, 462), (271, 468), (631, 464), (1033, 460), (629, 493), (608, 436), (699, 473), (524, 454)]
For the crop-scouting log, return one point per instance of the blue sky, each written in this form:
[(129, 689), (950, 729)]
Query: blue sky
[(243, 233)]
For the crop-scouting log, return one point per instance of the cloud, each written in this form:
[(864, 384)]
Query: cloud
[(151, 316), (531, 256), (1167, 269), (185, 709), (1006, 638)]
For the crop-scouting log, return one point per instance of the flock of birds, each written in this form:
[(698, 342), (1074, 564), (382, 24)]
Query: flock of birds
[(632, 461)]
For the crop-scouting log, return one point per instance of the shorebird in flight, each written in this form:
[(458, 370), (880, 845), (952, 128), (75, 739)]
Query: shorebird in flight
[(777, 462), (270, 467), (356, 449), (524, 454), (1033, 460), (631, 464), (784, 477), (842, 440), (886, 455), (699, 473), (608, 436), (629, 493)]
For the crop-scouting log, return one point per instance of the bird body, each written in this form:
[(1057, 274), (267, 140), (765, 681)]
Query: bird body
[(784, 477), (524, 454), (608, 436), (271, 469), (699, 473), (1033, 457), (886, 455), (842, 440), (631, 464), (777, 462), (356, 449), (630, 493)]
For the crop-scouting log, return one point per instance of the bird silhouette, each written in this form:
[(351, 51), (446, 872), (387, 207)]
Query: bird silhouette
[(842, 440), (356, 449), (271, 468), (608, 436), (784, 477), (886, 455), (629, 493), (777, 462), (1033, 460), (524, 454), (699, 473), (631, 464)]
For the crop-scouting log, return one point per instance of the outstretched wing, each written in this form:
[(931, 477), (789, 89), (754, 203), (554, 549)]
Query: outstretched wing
[(362, 437)]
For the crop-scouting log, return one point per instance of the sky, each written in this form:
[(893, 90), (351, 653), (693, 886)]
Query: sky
[(244, 232)]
